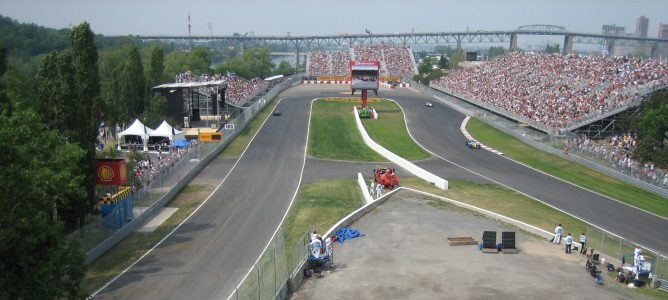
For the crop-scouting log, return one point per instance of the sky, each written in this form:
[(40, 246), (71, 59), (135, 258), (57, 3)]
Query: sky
[(313, 17)]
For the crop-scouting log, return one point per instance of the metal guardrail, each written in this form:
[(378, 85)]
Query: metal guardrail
[(442, 96), (173, 180)]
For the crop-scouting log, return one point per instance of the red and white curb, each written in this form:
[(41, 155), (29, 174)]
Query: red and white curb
[(468, 136)]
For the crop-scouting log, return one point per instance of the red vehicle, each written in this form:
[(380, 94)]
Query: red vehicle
[(386, 177)]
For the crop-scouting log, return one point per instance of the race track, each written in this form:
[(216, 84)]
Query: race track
[(437, 129), (209, 255)]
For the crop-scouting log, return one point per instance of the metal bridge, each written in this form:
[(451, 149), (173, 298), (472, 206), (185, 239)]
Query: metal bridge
[(480, 36), (302, 43)]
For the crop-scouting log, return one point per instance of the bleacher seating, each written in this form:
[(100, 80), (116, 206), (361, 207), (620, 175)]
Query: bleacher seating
[(554, 89)]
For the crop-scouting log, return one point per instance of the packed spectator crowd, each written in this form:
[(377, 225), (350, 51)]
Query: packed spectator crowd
[(617, 151), (238, 88), (319, 63), (340, 63), (398, 60), (329, 63), (148, 169), (395, 60), (554, 89)]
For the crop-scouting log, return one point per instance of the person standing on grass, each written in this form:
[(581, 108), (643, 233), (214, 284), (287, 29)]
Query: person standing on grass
[(569, 243), (583, 243), (379, 190), (558, 232)]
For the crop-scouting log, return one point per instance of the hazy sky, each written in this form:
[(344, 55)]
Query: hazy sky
[(310, 17)]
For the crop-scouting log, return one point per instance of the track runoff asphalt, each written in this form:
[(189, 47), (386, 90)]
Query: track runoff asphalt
[(211, 252)]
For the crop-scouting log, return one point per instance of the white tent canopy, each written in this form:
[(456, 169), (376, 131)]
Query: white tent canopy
[(166, 130), (136, 129)]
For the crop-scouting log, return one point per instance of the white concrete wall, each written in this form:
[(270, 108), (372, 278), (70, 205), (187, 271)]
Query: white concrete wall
[(364, 188), (407, 165)]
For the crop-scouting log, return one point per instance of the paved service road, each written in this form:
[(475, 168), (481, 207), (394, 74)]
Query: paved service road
[(437, 129), (209, 255)]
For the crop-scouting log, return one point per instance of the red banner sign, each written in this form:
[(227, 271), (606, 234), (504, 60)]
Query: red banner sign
[(111, 172)]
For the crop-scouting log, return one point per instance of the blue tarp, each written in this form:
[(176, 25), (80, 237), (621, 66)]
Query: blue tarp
[(181, 144), (347, 233)]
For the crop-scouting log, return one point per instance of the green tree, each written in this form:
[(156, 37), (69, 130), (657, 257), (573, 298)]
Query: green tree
[(111, 64), (256, 62), (55, 91), (443, 62), (83, 117), (495, 51), (39, 173), (456, 58), (155, 67), (426, 65), (552, 48), (134, 82), (284, 68), (157, 112), (652, 128), (197, 61), (5, 105)]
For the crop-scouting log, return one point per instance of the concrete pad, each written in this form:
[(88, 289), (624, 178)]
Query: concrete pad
[(158, 219), (405, 255)]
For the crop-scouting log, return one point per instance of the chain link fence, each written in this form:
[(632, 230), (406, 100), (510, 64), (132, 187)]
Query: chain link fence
[(158, 190), (268, 277), (615, 247)]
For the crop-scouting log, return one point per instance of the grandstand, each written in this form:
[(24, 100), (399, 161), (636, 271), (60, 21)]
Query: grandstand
[(194, 97), (558, 91), (395, 60)]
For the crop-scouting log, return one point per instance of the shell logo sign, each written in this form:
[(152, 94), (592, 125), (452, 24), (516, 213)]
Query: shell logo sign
[(105, 173), (111, 172)]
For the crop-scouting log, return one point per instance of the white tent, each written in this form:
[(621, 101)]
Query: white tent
[(167, 131), (136, 129)]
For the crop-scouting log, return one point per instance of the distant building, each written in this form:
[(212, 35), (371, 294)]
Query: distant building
[(642, 23), (616, 50), (613, 29), (663, 31), (663, 34)]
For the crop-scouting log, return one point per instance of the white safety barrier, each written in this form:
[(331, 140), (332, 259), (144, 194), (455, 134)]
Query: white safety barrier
[(407, 165), (365, 188)]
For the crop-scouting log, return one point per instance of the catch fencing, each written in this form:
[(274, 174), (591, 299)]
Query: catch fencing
[(618, 248), (268, 277), (96, 239)]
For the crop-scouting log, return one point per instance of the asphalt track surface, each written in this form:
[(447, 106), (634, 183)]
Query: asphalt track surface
[(437, 129), (211, 252)]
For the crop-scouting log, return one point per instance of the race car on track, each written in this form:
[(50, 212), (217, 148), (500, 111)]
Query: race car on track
[(277, 112), (428, 104), (473, 144)]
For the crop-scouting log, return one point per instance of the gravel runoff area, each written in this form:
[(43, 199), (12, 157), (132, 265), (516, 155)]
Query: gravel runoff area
[(406, 255)]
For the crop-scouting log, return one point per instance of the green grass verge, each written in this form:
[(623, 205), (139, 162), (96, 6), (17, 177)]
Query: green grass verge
[(136, 244), (320, 204), (334, 135), (241, 141), (503, 201), (567, 170), (390, 131)]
